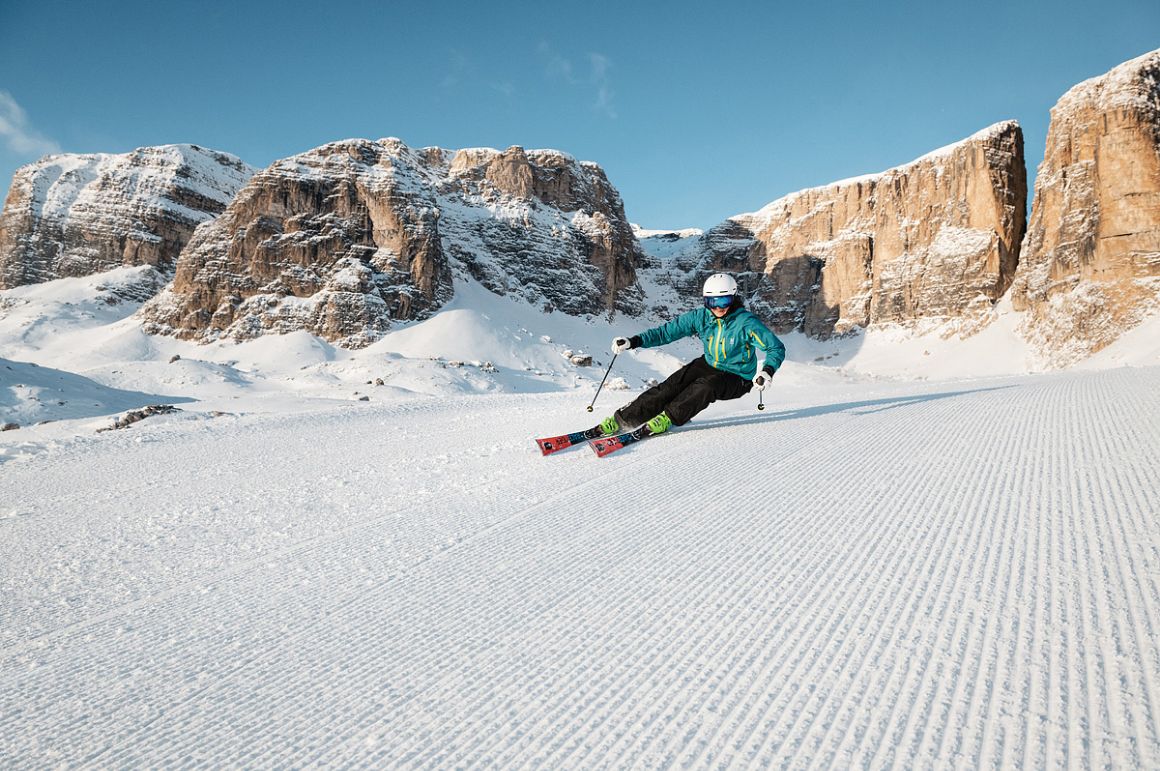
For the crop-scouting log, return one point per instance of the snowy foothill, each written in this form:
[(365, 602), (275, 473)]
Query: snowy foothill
[(921, 553)]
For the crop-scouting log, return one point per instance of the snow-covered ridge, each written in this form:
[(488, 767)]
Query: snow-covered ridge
[(483, 155), (642, 233), (1135, 84), (382, 163), (989, 133), (433, 164), (154, 177), (73, 215)]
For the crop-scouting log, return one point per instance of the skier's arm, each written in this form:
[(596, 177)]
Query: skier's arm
[(682, 326), (770, 349)]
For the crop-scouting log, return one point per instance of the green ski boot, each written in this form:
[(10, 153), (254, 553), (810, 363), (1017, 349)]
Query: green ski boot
[(660, 424)]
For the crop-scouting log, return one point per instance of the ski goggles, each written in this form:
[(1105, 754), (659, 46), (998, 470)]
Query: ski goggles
[(719, 302)]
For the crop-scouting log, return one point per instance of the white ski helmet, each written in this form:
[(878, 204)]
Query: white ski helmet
[(719, 285)]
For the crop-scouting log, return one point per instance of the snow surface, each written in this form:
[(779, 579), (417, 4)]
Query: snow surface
[(878, 569)]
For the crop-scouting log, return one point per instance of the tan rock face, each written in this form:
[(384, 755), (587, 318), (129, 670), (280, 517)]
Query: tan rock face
[(936, 238), (510, 173), (75, 215), (1090, 265), (345, 239)]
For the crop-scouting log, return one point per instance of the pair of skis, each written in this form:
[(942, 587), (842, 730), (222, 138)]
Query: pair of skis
[(601, 445)]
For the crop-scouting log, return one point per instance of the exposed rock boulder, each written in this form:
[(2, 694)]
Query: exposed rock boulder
[(135, 416), (75, 215), (345, 239), (1090, 265), (937, 238)]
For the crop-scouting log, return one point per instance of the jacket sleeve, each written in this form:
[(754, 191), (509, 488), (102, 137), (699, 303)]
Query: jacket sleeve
[(682, 326), (769, 346)]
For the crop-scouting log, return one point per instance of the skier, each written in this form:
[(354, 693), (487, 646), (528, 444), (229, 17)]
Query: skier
[(740, 353)]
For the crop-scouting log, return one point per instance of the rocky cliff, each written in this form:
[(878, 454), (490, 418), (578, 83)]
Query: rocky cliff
[(937, 238), (344, 239), (1090, 265), (74, 215)]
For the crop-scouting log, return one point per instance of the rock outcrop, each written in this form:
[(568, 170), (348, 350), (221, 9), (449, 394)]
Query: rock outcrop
[(1090, 264), (75, 215), (937, 238), (345, 239)]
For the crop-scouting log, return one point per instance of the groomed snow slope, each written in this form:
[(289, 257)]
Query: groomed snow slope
[(863, 575)]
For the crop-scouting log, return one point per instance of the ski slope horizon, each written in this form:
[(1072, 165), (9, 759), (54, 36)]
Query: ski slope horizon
[(922, 553), (82, 329)]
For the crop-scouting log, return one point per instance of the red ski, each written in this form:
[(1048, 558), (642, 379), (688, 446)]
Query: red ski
[(610, 444), (551, 444)]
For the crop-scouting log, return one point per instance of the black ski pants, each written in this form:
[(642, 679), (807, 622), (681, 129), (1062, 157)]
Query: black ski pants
[(686, 392)]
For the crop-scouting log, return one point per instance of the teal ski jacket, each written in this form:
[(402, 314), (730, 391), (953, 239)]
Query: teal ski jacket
[(735, 343)]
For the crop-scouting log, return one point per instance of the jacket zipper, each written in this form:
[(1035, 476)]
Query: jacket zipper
[(720, 342)]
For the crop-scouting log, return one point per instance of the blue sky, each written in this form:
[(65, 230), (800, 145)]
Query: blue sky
[(696, 111)]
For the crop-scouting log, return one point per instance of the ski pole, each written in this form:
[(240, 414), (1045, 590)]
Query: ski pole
[(602, 381), (753, 294)]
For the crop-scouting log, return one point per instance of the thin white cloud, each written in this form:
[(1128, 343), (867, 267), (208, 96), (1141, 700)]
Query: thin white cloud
[(459, 68), (600, 66), (505, 87), (18, 134), (557, 66), (462, 73), (596, 80)]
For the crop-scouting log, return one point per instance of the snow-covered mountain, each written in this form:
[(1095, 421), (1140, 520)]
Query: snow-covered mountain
[(1090, 266), (74, 215), (937, 238), (353, 237), (937, 246)]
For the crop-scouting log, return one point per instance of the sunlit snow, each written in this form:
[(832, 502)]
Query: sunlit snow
[(921, 553)]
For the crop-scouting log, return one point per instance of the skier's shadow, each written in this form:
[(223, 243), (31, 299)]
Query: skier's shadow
[(867, 407)]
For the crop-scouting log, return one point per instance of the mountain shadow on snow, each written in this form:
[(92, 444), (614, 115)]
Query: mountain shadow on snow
[(31, 394)]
